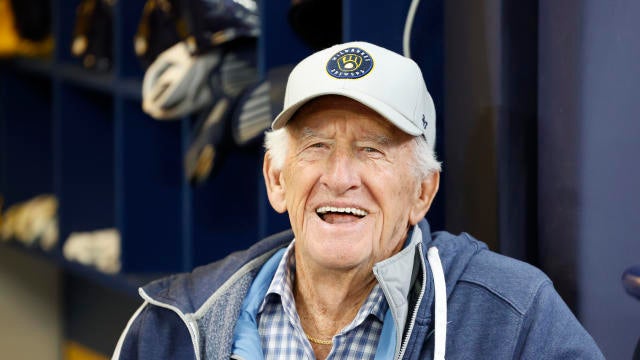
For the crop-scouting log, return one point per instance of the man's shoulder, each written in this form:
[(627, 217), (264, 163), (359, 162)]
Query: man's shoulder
[(197, 286), (233, 262), (513, 281), (469, 261), (501, 307)]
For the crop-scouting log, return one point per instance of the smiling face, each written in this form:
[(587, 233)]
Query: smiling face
[(348, 184)]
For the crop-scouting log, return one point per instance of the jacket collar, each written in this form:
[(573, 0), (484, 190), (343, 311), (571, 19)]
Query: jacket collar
[(189, 292)]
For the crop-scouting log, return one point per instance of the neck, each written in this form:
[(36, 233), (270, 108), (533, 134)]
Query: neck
[(328, 301)]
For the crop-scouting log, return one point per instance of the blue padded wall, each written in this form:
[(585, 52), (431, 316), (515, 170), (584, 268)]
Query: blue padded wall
[(589, 141)]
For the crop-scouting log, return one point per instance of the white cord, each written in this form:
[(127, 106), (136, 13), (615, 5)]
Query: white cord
[(406, 39), (441, 303)]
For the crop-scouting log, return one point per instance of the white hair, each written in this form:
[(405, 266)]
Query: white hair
[(276, 143)]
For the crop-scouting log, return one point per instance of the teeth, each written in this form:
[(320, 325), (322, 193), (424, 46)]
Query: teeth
[(354, 211)]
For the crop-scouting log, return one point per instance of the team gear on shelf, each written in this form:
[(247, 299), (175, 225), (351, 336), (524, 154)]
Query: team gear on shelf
[(212, 23), (25, 28), (99, 248), (204, 74), (32, 222), (236, 72), (258, 106), (32, 18), (177, 83), (92, 35), (160, 27)]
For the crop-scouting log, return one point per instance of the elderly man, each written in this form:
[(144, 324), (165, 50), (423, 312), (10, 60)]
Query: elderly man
[(360, 275)]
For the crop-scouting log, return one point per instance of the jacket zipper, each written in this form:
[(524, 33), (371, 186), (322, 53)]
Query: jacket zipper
[(405, 342), (183, 317)]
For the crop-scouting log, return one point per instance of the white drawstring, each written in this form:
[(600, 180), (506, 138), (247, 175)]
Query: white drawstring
[(441, 303)]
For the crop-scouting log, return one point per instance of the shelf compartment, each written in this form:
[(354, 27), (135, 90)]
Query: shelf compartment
[(126, 18), (148, 180), (26, 149), (224, 213), (84, 161), (278, 44)]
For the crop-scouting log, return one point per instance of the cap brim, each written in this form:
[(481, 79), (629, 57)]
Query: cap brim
[(386, 111)]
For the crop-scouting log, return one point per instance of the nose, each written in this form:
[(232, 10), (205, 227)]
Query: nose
[(341, 173)]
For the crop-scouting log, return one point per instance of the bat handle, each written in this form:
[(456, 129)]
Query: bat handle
[(631, 283)]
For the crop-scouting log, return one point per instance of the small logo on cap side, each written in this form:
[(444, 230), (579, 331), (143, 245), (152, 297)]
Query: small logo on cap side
[(350, 63), (425, 123)]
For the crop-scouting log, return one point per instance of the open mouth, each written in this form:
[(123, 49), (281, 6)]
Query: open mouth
[(337, 215)]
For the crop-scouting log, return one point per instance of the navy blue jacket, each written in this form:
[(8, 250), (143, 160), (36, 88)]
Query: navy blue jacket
[(497, 307)]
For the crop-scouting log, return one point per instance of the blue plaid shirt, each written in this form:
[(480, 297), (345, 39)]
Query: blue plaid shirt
[(282, 335)]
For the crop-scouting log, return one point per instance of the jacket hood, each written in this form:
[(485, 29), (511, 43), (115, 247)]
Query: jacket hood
[(190, 291), (456, 251), (447, 259)]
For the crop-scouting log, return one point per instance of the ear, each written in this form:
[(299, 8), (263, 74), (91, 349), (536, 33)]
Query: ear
[(275, 184), (428, 189)]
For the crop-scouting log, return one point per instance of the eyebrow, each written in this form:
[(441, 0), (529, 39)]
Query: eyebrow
[(308, 133), (378, 139)]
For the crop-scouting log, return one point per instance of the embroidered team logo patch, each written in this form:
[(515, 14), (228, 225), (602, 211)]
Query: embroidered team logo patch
[(350, 63)]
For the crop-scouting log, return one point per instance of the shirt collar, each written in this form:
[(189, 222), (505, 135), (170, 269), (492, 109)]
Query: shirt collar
[(281, 288), (282, 283)]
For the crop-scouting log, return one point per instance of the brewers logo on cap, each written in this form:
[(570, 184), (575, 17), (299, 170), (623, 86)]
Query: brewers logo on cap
[(350, 63)]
